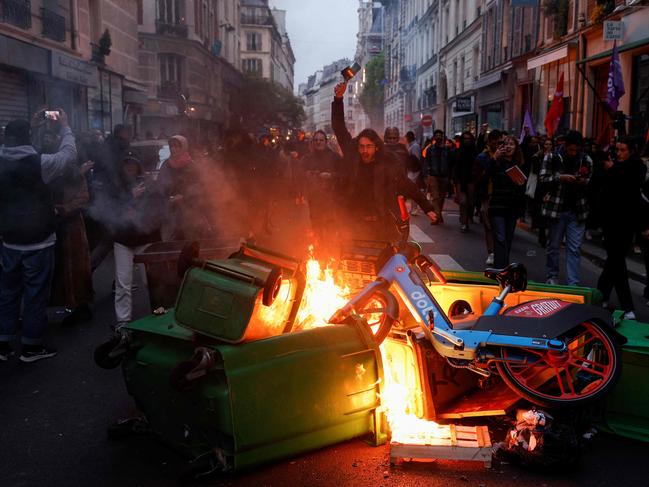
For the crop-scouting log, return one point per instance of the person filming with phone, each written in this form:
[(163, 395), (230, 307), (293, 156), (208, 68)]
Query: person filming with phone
[(28, 230)]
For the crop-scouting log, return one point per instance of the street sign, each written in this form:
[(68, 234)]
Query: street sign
[(612, 30), (427, 121), (463, 104)]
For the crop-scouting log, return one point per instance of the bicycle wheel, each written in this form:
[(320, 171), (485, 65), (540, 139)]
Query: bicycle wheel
[(584, 372)]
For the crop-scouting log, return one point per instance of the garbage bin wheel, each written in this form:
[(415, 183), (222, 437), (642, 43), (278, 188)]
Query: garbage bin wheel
[(188, 256), (272, 287), (102, 354)]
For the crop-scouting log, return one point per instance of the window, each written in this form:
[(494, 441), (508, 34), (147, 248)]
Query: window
[(170, 69), (253, 41), (171, 11), (252, 66)]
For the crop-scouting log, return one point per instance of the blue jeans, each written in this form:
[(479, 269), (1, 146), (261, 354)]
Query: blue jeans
[(26, 275), (566, 225), (503, 224)]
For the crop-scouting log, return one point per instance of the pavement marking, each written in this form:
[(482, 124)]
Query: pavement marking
[(446, 262), (418, 235)]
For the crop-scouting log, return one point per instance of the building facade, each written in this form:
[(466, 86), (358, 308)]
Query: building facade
[(187, 53), (54, 54), (266, 49)]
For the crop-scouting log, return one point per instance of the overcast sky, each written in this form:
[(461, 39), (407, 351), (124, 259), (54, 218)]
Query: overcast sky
[(321, 32)]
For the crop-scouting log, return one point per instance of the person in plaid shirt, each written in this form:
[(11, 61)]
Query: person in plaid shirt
[(566, 176)]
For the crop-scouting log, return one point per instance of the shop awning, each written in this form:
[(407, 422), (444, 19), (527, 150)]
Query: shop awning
[(621, 48), (547, 57), (487, 80)]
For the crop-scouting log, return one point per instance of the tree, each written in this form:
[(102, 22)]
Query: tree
[(266, 104), (372, 96)]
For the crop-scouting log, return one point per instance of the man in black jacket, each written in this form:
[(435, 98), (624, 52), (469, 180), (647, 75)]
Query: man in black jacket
[(27, 226), (374, 179)]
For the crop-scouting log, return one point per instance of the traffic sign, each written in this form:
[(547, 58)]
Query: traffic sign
[(427, 121)]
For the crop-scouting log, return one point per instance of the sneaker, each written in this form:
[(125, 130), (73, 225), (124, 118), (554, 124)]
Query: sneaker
[(605, 304), (5, 351), (629, 315), (552, 281), (32, 353), (118, 326), (490, 260), (464, 228)]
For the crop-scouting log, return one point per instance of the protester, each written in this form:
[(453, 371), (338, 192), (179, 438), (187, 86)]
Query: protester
[(507, 197), (27, 226), (139, 208), (374, 180), (537, 191), (625, 176), (463, 178), (480, 176), (105, 184), (72, 281), (323, 179), (437, 167), (181, 184), (414, 165), (566, 206)]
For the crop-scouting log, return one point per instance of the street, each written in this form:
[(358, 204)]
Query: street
[(56, 412)]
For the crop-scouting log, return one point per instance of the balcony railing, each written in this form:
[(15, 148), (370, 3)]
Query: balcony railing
[(169, 90), (178, 30), (53, 25), (256, 20), (17, 12)]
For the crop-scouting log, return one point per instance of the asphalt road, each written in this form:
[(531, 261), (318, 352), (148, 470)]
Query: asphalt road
[(55, 414)]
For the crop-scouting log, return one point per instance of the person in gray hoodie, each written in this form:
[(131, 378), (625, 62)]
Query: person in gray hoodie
[(28, 230)]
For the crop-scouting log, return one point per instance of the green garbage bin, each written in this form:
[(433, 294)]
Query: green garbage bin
[(626, 409), (259, 401), (160, 260)]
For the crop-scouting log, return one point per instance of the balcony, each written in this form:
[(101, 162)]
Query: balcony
[(165, 29), (169, 90), (17, 12), (256, 20), (53, 25)]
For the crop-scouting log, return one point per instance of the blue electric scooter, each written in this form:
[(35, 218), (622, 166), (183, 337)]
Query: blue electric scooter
[(550, 352)]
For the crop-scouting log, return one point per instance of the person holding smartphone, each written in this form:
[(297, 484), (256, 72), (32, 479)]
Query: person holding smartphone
[(565, 205)]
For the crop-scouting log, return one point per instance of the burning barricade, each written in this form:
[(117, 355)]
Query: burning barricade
[(249, 368)]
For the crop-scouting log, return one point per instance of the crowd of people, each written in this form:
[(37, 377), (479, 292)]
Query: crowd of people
[(66, 202)]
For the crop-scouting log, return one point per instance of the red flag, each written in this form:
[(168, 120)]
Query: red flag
[(555, 112)]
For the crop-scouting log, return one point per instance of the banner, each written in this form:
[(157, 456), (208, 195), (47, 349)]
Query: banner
[(615, 89), (527, 122), (555, 112)]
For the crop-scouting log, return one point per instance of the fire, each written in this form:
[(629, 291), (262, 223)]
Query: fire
[(402, 392), (322, 297)]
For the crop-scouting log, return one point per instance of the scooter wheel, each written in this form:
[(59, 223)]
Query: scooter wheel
[(272, 287), (584, 372)]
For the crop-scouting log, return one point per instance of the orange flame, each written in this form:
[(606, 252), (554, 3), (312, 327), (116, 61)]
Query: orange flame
[(402, 392)]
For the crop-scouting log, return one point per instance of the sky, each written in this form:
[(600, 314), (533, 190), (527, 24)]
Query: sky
[(320, 31)]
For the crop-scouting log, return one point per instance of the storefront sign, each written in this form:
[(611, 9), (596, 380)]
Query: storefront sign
[(22, 55), (73, 70), (463, 104), (612, 30)]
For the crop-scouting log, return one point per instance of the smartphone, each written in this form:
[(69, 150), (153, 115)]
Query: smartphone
[(52, 114), (350, 71)]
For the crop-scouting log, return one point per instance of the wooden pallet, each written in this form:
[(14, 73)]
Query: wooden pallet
[(467, 443)]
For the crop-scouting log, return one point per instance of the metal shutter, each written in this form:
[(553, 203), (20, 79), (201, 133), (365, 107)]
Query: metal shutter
[(13, 97)]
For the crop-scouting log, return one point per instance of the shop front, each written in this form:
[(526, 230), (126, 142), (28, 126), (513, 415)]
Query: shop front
[(463, 116), (491, 100)]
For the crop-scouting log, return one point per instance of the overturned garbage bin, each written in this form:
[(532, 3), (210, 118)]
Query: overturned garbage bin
[(226, 380), (160, 261)]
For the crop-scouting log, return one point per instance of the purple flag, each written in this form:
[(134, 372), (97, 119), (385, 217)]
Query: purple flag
[(527, 122), (615, 82)]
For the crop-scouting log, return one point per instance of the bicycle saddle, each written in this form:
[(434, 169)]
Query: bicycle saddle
[(514, 275)]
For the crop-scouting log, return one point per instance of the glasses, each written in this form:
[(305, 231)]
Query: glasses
[(368, 146)]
